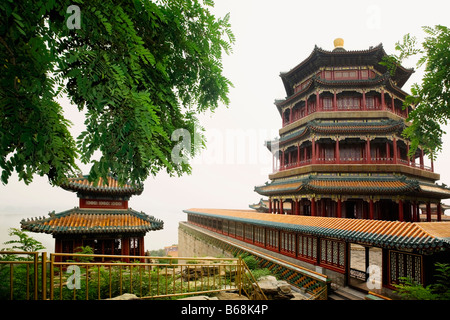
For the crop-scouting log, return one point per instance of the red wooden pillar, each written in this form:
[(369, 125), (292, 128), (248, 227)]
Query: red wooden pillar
[(270, 205), (306, 107), (58, 245), (414, 211), (439, 211), (281, 206), (313, 151), (313, 207), (364, 100), (58, 249), (323, 206), (298, 154), (317, 151), (339, 208), (334, 101), (371, 209), (337, 153), (141, 246), (428, 211), (388, 151), (394, 141), (126, 248), (297, 207), (400, 210), (318, 101), (368, 156), (383, 103)]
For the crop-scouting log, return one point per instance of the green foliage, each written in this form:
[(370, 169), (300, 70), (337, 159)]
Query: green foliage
[(23, 278), (138, 69), (431, 98), (409, 290), (84, 250), (157, 253), (250, 261), (259, 273), (24, 243)]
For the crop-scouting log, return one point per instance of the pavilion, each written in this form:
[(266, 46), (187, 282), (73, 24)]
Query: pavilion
[(102, 220)]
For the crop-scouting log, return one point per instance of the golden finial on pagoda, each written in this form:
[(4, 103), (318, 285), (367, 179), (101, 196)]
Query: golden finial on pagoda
[(338, 43)]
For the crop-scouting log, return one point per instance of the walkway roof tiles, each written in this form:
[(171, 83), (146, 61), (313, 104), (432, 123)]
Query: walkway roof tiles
[(392, 234)]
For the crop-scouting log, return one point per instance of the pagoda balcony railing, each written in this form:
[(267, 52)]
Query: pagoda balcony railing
[(326, 160), (382, 160), (355, 160), (296, 117)]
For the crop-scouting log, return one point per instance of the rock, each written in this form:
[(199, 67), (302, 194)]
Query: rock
[(298, 296), (125, 296), (230, 296), (199, 298), (284, 287), (268, 285), (275, 289), (192, 273), (196, 272)]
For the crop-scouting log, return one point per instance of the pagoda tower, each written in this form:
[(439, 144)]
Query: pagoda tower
[(341, 152), (102, 220), (345, 202)]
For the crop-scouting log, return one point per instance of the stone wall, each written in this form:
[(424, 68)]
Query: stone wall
[(191, 246)]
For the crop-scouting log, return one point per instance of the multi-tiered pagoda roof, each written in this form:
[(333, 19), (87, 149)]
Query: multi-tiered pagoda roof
[(341, 141), (339, 57)]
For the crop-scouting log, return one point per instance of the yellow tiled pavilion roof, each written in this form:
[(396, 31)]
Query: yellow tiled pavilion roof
[(376, 232), (341, 184), (93, 221)]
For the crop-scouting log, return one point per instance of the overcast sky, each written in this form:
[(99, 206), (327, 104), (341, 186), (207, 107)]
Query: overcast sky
[(272, 37)]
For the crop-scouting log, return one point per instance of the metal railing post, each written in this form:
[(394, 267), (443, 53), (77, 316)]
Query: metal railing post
[(44, 276), (52, 261), (239, 276)]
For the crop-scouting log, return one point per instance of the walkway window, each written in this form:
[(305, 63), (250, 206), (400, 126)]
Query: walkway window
[(288, 243), (332, 253), (259, 235), (307, 247), (272, 239), (404, 265)]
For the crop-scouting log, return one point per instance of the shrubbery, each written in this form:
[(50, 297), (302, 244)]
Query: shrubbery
[(254, 268)]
